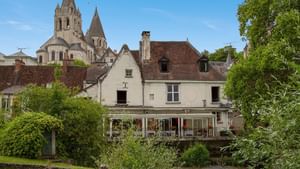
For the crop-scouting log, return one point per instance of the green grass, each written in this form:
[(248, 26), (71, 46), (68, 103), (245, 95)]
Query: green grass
[(14, 160)]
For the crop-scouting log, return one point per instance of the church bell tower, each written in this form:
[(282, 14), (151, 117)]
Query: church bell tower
[(67, 19)]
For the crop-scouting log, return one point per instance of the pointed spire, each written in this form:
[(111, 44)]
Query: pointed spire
[(96, 28), (57, 6), (68, 3), (96, 12)]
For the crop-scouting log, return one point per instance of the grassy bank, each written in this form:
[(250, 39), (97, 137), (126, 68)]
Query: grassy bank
[(22, 161)]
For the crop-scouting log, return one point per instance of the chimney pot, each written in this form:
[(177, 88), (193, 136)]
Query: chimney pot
[(146, 33)]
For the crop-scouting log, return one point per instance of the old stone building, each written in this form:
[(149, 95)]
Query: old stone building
[(10, 59), (166, 88), (69, 40)]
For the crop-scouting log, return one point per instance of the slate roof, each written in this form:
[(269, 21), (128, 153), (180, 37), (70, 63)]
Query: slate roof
[(95, 71), (57, 41), (183, 63), (19, 55), (40, 75), (76, 46), (96, 29)]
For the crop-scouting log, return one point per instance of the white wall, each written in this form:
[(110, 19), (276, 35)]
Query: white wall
[(91, 92), (115, 81), (191, 94), (57, 50)]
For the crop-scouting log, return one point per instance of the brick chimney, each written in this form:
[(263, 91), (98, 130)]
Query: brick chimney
[(18, 65), (145, 45)]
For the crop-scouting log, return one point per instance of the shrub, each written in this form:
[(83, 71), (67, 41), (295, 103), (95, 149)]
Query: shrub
[(195, 156), (23, 137), (82, 136), (136, 153), (79, 63)]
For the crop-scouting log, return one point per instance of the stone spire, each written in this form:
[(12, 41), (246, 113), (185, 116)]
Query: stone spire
[(96, 29), (68, 3)]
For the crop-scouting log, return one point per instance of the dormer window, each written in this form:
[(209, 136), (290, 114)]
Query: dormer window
[(164, 65), (203, 64)]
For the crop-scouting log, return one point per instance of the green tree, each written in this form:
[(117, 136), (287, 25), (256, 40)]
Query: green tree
[(259, 18), (24, 136), (222, 54), (273, 52), (275, 145), (82, 136), (265, 86), (136, 153)]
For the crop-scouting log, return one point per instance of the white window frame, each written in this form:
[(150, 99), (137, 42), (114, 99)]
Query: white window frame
[(173, 92)]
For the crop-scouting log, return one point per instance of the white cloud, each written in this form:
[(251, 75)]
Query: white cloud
[(17, 25), (210, 25)]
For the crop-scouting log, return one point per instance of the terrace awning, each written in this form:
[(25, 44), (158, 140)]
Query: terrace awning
[(162, 116)]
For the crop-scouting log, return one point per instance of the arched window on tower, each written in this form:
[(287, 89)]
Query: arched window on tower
[(53, 55), (41, 59), (68, 23), (61, 56), (59, 24)]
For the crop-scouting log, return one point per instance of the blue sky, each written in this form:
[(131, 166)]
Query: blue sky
[(208, 24)]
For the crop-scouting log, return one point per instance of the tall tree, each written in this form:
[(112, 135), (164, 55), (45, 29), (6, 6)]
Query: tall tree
[(273, 30)]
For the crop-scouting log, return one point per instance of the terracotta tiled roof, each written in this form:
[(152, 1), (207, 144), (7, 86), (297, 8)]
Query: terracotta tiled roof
[(183, 63), (40, 75)]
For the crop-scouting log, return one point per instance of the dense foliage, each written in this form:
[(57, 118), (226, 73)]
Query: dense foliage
[(135, 153), (82, 120), (265, 86), (195, 156), (222, 54), (2, 118), (273, 31), (275, 145), (79, 63), (83, 134), (23, 137)]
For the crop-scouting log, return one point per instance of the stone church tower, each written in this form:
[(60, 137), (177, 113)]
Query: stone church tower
[(69, 41), (67, 21), (95, 35)]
